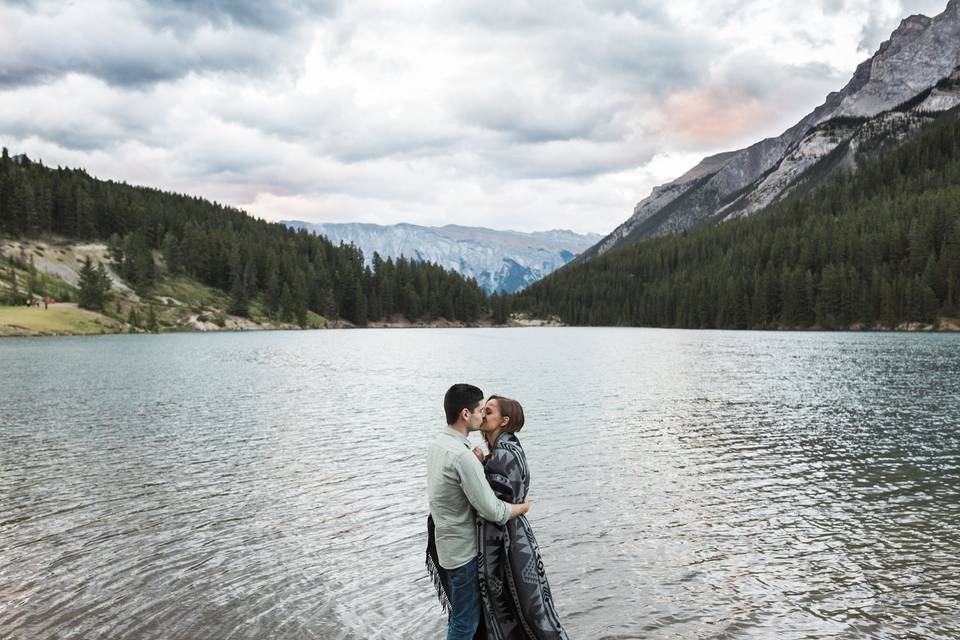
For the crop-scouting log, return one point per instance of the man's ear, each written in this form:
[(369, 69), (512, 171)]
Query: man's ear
[(465, 414)]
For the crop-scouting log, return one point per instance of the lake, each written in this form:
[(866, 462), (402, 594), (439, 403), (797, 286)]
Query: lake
[(685, 484)]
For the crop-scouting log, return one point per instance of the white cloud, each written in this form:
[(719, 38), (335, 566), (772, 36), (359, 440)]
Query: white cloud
[(525, 115)]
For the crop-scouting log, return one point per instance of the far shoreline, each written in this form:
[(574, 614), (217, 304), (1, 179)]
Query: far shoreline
[(66, 319), (109, 326)]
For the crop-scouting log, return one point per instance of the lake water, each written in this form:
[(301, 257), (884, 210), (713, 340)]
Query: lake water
[(685, 484)]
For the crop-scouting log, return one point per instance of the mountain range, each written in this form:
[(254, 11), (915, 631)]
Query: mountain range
[(500, 261), (912, 77)]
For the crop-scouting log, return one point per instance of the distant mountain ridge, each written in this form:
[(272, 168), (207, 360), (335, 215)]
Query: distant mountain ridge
[(501, 261), (912, 75)]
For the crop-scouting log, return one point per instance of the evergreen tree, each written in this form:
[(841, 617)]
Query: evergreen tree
[(273, 291), (91, 287), (239, 304), (104, 284), (133, 318), (499, 308), (153, 326), (301, 299), (286, 305), (171, 254), (14, 297), (411, 302), (360, 306), (84, 224)]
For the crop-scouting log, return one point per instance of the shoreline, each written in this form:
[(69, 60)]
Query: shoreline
[(109, 326), (67, 319), (185, 306)]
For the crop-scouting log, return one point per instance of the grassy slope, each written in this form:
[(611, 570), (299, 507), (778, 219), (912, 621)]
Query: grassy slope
[(179, 303), (58, 319)]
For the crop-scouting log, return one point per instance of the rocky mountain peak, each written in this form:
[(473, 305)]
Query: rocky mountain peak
[(909, 28), (912, 24), (499, 260), (919, 54)]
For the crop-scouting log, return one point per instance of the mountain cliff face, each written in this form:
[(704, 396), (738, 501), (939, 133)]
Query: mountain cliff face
[(499, 260), (912, 74)]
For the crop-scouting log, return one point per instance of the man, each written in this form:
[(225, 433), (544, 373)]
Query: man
[(458, 491)]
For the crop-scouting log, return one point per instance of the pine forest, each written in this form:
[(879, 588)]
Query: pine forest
[(875, 248), (289, 272)]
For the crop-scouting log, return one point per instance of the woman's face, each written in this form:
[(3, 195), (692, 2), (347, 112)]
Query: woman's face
[(491, 416)]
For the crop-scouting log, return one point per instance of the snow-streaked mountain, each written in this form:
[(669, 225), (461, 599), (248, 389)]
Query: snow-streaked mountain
[(499, 260), (917, 66)]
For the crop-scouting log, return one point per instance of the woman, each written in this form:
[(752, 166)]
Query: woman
[(517, 603)]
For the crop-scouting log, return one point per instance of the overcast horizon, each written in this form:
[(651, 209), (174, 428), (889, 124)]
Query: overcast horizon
[(530, 117)]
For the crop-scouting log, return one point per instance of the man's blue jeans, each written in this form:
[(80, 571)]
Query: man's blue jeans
[(464, 602)]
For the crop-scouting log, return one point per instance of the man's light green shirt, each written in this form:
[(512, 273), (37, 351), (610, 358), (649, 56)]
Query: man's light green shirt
[(456, 487)]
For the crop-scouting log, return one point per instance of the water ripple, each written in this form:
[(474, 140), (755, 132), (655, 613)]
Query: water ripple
[(685, 484)]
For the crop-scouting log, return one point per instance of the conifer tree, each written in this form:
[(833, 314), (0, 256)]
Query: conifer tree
[(104, 284), (89, 286), (153, 326), (13, 298), (285, 311), (171, 253), (273, 291), (239, 304), (133, 318), (360, 306)]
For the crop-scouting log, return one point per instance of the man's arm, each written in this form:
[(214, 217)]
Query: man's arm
[(481, 496)]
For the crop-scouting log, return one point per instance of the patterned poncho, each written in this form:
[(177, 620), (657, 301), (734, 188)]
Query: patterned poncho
[(517, 603)]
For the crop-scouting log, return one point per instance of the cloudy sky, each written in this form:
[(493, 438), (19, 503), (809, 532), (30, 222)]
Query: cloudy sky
[(522, 115)]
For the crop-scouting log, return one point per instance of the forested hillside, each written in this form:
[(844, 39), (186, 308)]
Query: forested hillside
[(876, 248), (287, 271)]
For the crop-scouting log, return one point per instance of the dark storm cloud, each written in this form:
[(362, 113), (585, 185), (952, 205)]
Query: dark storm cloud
[(257, 14), (530, 112), (137, 45)]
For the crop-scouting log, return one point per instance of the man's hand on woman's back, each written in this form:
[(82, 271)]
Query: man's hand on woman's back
[(520, 509)]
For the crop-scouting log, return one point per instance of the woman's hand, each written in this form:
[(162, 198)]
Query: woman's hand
[(477, 451)]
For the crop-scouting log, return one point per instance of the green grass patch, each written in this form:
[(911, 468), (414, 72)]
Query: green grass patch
[(190, 292), (316, 321), (65, 319), (258, 310)]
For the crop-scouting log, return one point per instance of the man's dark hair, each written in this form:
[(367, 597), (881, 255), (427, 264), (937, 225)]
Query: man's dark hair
[(460, 397)]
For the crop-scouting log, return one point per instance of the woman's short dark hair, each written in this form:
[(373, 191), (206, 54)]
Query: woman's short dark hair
[(510, 408), (460, 397)]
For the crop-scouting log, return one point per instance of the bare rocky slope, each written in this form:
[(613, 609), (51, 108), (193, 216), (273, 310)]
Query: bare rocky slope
[(910, 78)]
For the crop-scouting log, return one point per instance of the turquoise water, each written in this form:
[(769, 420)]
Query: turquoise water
[(685, 484)]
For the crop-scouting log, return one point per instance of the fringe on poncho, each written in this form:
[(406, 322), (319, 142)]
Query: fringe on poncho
[(516, 598)]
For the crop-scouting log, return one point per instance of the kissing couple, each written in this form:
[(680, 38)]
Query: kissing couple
[(481, 551)]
